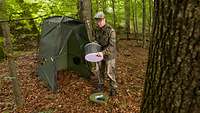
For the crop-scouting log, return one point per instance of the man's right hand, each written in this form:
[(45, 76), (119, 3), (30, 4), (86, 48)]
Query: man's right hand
[(99, 54)]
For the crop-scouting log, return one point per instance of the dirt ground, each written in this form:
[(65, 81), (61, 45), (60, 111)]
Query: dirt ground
[(74, 91)]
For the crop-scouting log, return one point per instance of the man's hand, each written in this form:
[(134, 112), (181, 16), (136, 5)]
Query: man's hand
[(99, 54)]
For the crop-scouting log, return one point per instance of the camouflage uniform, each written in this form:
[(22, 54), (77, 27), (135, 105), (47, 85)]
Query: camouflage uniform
[(106, 37)]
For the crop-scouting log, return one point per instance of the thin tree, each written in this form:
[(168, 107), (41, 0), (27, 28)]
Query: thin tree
[(172, 82), (127, 17), (150, 15), (143, 22), (9, 52), (85, 12), (133, 17), (136, 19)]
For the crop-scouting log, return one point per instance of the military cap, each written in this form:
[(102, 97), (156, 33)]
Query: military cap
[(99, 15)]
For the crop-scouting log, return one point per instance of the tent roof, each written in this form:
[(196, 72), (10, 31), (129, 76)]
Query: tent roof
[(62, 19)]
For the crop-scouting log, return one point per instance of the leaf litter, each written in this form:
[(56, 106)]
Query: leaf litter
[(74, 91)]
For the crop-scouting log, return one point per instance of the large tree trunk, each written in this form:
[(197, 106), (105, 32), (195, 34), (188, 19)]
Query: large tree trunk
[(172, 83), (9, 53), (85, 13), (11, 64), (127, 17)]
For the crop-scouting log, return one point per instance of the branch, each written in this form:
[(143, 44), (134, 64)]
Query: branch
[(21, 19)]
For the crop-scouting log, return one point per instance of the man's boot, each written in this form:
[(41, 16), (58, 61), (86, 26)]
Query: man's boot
[(113, 92), (100, 87)]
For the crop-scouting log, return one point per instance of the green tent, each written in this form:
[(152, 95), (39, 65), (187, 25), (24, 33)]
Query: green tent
[(62, 48)]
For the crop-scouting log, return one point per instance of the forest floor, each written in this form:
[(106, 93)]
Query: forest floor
[(74, 91)]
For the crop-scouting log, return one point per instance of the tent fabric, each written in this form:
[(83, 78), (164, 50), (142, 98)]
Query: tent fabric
[(47, 72), (62, 47)]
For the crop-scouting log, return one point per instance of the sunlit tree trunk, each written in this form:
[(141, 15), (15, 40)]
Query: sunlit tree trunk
[(86, 15), (172, 82), (9, 53), (150, 15), (143, 23), (127, 17), (133, 18)]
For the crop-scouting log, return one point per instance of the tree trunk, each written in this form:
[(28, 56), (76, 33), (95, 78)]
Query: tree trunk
[(86, 16), (114, 17), (150, 15), (11, 64), (9, 53), (127, 17), (135, 18), (172, 83), (143, 22)]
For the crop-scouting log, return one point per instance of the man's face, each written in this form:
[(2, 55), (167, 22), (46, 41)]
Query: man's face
[(100, 22)]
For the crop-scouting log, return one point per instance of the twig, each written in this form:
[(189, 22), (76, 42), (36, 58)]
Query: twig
[(21, 19)]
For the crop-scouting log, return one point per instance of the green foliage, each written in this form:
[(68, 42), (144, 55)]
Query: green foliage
[(69, 8), (3, 12), (36, 8), (5, 112), (24, 30), (48, 111), (120, 12), (23, 10), (2, 55)]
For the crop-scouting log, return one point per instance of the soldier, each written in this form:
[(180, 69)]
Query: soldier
[(105, 36)]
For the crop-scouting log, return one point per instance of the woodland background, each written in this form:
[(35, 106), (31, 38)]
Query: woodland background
[(157, 63), (25, 17)]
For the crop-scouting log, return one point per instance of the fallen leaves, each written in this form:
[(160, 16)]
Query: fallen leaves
[(73, 93)]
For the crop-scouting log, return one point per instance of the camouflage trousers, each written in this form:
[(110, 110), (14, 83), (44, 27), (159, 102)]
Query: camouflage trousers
[(106, 67)]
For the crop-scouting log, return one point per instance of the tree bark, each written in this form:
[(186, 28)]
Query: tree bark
[(127, 17), (11, 64), (172, 83), (150, 15), (143, 22), (135, 18), (85, 12)]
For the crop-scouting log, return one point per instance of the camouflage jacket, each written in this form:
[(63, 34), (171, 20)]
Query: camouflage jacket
[(106, 37)]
